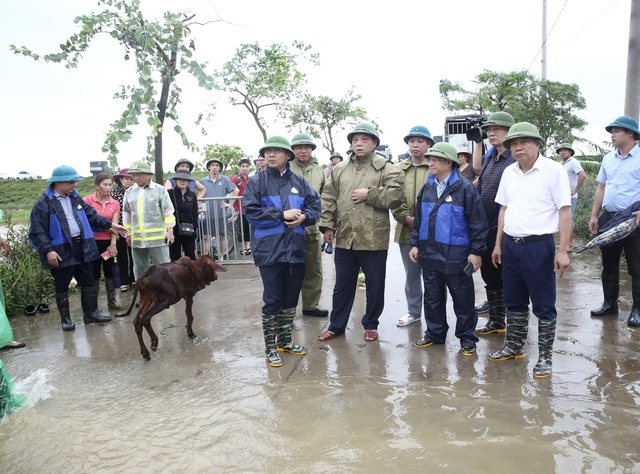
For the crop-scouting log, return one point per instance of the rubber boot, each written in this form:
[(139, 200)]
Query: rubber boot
[(89, 300), (285, 325), (634, 317), (269, 328), (112, 299), (517, 329), (546, 336), (611, 289), (496, 323), (62, 301)]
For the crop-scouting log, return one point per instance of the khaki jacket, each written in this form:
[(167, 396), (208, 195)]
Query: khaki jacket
[(313, 175), (366, 225), (414, 179)]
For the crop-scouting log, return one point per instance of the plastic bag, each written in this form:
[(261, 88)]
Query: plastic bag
[(10, 400)]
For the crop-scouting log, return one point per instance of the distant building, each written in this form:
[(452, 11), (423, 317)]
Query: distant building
[(97, 167)]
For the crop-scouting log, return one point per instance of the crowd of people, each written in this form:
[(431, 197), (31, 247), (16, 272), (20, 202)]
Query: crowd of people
[(456, 212)]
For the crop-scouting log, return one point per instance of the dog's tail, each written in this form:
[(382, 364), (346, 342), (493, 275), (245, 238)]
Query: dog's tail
[(133, 302)]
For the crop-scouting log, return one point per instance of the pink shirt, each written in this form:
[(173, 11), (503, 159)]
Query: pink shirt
[(105, 210)]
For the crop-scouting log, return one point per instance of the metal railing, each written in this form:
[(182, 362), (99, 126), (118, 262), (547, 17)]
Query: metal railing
[(217, 220)]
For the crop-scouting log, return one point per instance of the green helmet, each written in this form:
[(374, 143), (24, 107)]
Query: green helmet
[(278, 142), (140, 167), (303, 139), (183, 160), (444, 150), (565, 146), (499, 119), (365, 128), (522, 130)]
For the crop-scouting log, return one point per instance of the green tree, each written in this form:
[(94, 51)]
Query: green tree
[(259, 79), (550, 105), (323, 117), (161, 50), (230, 155)]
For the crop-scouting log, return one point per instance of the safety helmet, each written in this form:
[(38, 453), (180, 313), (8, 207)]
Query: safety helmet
[(626, 122), (522, 130), (303, 139), (278, 142), (64, 173), (444, 150), (215, 160), (365, 128), (419, 131), (183, 160), (565, 146), (499, 119), (140, 167)]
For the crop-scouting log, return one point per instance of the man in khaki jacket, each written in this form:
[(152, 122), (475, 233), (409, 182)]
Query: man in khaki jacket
[(307, 166), (415, 171), (356, 201)]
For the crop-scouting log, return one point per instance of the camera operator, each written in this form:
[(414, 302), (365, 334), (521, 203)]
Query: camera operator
[(491, 166)]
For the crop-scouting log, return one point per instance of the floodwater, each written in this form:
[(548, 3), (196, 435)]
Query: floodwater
[(212, 405)]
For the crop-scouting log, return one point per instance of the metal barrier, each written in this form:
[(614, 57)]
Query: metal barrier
[(221, 230)]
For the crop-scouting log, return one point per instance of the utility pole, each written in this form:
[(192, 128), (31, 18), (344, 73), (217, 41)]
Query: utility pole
[(544, 40), (632, 91)]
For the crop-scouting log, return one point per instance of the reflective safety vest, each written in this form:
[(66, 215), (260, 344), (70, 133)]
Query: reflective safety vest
[(147, 213)]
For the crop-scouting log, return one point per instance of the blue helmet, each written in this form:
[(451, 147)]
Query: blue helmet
[(626, 122), (419, 131), (64, 173)]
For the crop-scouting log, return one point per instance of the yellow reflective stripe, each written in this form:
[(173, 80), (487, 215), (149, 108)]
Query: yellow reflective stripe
[(139, 239), (170, 220), (127, 226), (150, 231)]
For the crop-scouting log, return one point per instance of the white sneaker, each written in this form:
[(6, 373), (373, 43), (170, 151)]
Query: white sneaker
[(407, 319)]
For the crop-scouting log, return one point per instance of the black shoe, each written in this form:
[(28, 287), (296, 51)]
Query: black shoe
[(320, 313), (43, 308), (607, 308), (30, 310), (634, 317)]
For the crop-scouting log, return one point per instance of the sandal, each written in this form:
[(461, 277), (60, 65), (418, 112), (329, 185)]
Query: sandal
[(371, 335), (407, 319), (13, 345), (124, 289), (325, 336)]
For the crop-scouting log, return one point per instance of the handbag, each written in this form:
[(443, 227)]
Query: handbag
[(185, 229)]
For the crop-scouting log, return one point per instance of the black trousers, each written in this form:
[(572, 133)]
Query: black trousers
[(82, 272), (491, 275), (348, 264), (611, 253), (282, 283)]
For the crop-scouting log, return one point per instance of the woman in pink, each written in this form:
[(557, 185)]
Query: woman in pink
[(107, 207), (240, 180)]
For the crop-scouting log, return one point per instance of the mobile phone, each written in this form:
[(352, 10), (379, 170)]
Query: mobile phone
[(468, 270)]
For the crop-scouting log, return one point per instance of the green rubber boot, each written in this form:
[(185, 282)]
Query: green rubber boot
[(285, 325), (546, 336), (517, 329)]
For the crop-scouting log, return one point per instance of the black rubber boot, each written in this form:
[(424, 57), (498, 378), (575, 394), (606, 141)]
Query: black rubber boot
[(517, 329), (112, 298), (89, 300), (634, 317), (496, 323), (611, 289), (546, 336), (62, 301), (269, 328)]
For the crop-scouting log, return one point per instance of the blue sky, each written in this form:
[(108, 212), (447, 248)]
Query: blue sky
[(394, 56)]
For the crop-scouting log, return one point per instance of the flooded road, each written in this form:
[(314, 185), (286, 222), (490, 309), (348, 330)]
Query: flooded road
[(212, 405)]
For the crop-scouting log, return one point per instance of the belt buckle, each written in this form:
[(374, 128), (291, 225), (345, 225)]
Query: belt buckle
[(518, 240)]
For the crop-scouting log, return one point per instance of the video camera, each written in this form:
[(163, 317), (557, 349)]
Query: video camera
[(474, 133)]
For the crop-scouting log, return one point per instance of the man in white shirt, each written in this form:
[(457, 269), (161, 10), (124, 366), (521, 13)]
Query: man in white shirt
[(536, 202)]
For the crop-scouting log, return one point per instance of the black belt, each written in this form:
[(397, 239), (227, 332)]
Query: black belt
[(529, 238), (76, 239)]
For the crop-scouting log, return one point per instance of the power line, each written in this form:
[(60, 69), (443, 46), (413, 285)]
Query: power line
[(548, 34)]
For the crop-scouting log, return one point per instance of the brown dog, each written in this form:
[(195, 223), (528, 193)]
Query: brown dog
[(166, 284)]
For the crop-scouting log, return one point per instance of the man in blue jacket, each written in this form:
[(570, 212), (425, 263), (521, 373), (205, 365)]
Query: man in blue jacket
[(279, 205), (448, 239), (61, 233)]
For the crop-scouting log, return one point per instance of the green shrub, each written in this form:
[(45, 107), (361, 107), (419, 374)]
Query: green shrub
[(24, 280)]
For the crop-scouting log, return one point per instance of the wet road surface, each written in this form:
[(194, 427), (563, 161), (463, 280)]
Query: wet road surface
[(212, 405)]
